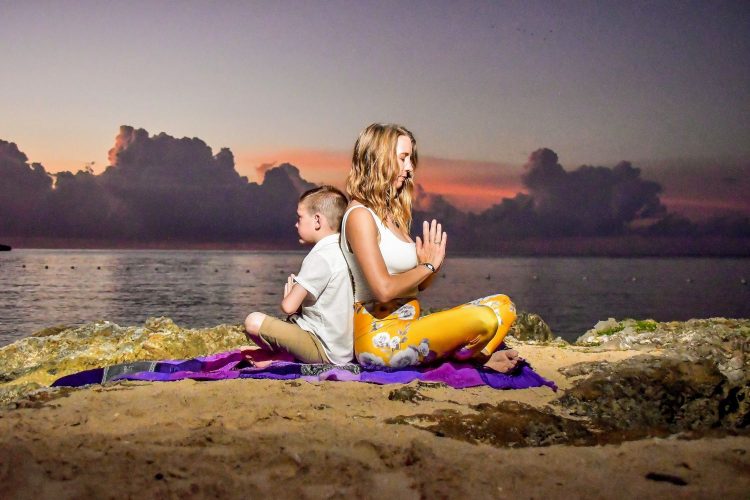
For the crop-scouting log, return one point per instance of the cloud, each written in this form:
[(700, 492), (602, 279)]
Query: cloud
[(589, 200), (24, 190), (320, 166), (703, 188), (157, 189), (167, 190), (260, 170)]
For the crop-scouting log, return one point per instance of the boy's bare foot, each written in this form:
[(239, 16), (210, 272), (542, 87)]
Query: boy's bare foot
[(503, 361)]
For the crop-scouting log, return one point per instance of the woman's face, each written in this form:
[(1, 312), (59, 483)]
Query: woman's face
[(403, 154)]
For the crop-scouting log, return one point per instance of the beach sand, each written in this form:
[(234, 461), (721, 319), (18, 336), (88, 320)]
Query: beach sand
[(262, 438)]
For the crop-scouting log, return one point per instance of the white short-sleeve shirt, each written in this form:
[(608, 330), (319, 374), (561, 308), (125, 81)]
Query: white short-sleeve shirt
[(327, 311)]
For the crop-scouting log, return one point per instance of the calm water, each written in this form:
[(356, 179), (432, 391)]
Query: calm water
[(206, 288)]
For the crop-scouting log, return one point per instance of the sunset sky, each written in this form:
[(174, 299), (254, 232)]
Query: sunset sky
[(662, 84)]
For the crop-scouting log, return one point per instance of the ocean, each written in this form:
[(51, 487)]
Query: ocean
[(198, 288)]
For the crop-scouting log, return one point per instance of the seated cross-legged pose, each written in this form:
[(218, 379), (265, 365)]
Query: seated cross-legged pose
[(388, 268), (319, 299)]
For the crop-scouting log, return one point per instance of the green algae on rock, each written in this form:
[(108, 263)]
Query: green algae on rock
[(726, 342), (37, 361)]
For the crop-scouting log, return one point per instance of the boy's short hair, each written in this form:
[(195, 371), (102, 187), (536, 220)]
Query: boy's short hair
[(327, 200)]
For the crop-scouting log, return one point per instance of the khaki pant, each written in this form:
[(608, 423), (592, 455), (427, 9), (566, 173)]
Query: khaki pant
[(282, 336)]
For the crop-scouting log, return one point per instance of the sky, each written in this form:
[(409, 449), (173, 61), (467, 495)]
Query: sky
[(662, 84)]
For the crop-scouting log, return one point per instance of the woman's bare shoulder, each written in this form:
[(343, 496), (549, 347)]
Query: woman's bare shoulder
[(359, 219), (358, 215), (354, 204)]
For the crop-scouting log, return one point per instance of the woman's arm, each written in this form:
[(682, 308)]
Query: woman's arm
[(362, 235)]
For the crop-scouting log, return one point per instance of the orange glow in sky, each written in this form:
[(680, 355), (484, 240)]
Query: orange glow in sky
[(468, 185)]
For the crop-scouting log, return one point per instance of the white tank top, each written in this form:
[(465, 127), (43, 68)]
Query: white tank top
[(399, 256)]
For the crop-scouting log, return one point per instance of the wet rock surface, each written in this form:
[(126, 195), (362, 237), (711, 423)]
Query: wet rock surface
[(508, 424)]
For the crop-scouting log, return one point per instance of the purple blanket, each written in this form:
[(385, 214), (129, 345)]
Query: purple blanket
[(237, 364)]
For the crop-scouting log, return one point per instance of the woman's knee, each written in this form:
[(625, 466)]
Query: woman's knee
[(253, 323), (504, 306), (502, 298), (487, 319)]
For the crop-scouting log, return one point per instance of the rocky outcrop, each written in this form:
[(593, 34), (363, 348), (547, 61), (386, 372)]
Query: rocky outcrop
[(530, 327), (651, 396), (723, 342), (690, 379), (37, 361), (693, 375)]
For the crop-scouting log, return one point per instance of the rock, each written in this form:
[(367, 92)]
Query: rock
[(531, 327), (609, 324), (701, 379), (580, 369), (725, 342), (37, 361), (507, 424), (649, 395), (50, 330), (407, 393), (5, 248)]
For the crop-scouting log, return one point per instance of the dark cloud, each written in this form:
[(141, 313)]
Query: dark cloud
[(165, 190), (157, 189), (24, 190), (722, 226), (589, 201), (260, 170), (700, 188)]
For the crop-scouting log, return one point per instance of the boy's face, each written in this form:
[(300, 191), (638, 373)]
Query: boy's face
[(307, 224)]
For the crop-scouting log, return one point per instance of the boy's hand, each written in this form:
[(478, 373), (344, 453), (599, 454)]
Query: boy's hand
[(288, 285), (294, 295)]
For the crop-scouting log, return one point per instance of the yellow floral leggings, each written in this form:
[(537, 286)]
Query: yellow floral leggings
[(393, 334)]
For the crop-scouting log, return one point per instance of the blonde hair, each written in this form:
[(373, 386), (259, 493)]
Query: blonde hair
[(375, 169), (327, 200)]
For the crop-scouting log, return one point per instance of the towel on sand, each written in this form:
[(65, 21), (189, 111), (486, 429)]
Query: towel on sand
[(254, 363)]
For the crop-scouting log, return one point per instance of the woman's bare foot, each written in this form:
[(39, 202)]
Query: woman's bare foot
[(504, 361)]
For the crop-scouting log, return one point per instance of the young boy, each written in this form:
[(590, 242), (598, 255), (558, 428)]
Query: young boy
[(319, 299)]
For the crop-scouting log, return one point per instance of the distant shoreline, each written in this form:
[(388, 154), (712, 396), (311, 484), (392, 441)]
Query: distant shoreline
[(614, 247)]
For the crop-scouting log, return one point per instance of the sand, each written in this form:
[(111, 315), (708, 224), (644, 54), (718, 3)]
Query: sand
[(264, 438)]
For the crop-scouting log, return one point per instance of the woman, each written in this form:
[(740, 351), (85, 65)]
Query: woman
[(388, 268)]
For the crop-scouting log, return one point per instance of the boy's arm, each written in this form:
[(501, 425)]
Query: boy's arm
[(294, 295), (312, 279)]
